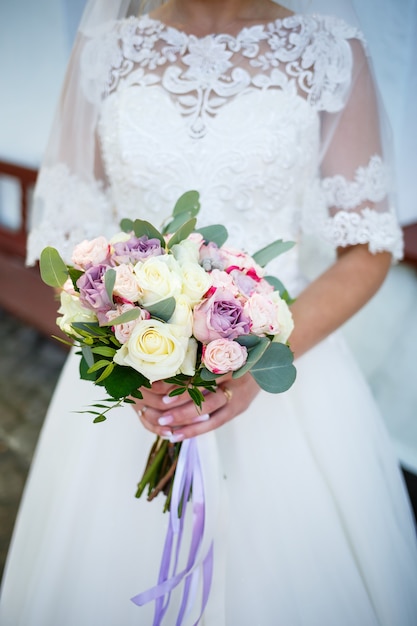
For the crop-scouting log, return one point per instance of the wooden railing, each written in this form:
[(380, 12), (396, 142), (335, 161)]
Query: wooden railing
[(21, 290)]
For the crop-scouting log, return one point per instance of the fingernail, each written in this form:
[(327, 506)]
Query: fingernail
[(168, 399), (165, 420), (166, 434), (201, 418), (176, 437)]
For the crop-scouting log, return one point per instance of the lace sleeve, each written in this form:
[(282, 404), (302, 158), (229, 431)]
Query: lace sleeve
[(68, 210), (355, 184)]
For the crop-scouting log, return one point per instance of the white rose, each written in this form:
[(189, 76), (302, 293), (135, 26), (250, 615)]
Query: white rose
[(90, 252), (183, 316), (285, 320), (263, 313), (72, 311), (186, 251), (126, 285), (154, 350), (195, 281), (159, 277), (188, 365)]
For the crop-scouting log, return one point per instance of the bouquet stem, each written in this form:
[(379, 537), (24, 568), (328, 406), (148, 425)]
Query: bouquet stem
[(160, 469)]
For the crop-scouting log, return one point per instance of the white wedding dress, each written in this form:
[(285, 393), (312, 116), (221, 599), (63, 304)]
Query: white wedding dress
[(305, 502)]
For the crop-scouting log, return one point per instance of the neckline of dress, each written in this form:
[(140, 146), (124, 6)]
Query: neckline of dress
[(270, 25)]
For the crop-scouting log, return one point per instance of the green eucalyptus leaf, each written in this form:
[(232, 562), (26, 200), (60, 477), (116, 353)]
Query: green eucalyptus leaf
[(53, 270), (182, 233), (109, 282), (189, 202), (141, 227), (126, 225), (91, 328), (163, 310), (254, 354), (280, 287), (127, 316), (249, 341), (274, 371), (176, 223), (274, 249), (216, 233), (208, 376), (88, 355)]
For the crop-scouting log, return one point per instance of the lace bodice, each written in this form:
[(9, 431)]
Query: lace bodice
[(237, 118)]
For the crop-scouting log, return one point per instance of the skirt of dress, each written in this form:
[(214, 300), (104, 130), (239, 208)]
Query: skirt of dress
[(313, 528)]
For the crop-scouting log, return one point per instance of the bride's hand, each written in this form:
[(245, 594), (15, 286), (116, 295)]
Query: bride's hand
[(177, 418)]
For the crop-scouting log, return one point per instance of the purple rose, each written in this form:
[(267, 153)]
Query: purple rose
[(245, 284), (136, 249), (93, 293), (220, 316)]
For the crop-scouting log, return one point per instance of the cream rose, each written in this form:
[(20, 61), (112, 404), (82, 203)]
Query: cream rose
[(222, 355), (186, 251), (285, 320), (72, 311), (159, 278), (127, 284), (90, 252), (195, 281), (188, 365), (153, 349), (183, 316)]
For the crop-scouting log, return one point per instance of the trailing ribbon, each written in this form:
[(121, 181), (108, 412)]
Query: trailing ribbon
[(188, 477)]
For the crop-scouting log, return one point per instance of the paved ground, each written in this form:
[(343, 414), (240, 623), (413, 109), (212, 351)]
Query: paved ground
[(29, 367)]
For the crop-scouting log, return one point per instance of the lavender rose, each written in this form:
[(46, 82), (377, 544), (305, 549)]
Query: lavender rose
[(136, 249), (93, 293), (220, 316)]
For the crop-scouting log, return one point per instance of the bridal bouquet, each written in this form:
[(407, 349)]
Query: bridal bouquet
[(176, 305)]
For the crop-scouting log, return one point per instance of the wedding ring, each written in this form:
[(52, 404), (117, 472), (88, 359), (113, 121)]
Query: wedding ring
[(228, 393), (142, 411)]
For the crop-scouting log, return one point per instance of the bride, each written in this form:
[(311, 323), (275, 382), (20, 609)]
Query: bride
[(272, 116)]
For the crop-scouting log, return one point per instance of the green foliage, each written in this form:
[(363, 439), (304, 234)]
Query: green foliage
[(216, 233), (254, 354), (274, 371), (182, 233), (53, 270), (109, 282), (271, 251), (141, 227), (127, 316), (162, 310)]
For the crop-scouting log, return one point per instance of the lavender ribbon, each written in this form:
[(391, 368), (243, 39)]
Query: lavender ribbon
[(187, 475)]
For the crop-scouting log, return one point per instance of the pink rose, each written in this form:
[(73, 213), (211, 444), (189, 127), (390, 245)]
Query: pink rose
[(223, 280), (263, 313), (123, 331), (219, 316), (222, 356), (88, 253)]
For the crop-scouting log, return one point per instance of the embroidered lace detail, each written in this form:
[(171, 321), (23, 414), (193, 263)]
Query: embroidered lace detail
[(62, 198), (371, 183), (308, 55), (379, 230)]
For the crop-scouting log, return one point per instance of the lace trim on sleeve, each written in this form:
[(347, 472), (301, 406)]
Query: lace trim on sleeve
[(371, 183), (379, 230), (67, 210)]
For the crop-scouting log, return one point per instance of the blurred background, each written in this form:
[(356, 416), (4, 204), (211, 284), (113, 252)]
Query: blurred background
[(35, 43)]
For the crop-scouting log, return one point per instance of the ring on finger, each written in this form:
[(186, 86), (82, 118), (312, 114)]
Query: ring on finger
[(142, 411), (228, 393)]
